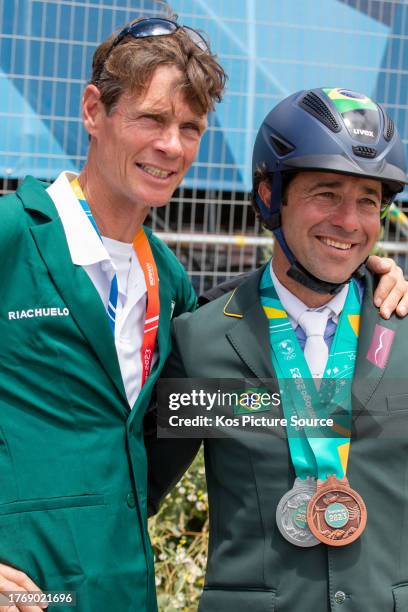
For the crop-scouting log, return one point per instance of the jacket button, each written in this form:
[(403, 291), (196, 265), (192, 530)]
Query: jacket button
[(130, 500), (339, 597)]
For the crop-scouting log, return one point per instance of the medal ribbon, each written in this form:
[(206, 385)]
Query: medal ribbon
[(144, 254), (313, 451), (113, 293)]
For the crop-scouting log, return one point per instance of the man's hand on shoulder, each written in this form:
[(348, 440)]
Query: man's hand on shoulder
[(13, 580), (391, 293)]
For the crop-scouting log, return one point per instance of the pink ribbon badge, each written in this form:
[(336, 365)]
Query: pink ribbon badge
[(380, 346)]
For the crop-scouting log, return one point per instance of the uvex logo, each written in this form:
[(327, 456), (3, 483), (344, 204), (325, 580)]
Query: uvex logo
[(361, 132)]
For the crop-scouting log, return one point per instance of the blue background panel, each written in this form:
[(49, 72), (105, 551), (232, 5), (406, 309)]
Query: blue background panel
[(268, 49)]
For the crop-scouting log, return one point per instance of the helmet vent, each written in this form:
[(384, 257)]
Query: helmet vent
[(369, 152), (389, 128), (313, 104), (282, 147)]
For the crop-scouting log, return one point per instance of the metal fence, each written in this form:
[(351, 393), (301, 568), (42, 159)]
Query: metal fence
[(269, 50), (213, 251)]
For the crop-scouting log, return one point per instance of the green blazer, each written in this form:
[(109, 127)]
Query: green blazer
[(250, 565), (73, 468)]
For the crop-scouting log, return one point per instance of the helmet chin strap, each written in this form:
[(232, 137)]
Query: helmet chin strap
[(303, 276), (272, 219)]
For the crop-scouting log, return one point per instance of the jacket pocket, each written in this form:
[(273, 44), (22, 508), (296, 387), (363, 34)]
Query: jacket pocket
[(400, 593), (239, 600), (51, 503), (397, 403), (53, 541)]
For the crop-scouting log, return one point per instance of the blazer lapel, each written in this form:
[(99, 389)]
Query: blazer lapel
[(375, 341), (72, 281), (249, 336), (249, 332)]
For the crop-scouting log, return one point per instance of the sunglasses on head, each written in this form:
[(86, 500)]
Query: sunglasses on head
[(157, 26)]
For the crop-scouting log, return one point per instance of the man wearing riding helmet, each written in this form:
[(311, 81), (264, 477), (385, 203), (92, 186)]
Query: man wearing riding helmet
[(300, 517), (331, 130)]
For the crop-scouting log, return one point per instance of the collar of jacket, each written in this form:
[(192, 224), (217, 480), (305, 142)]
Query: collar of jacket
[(77, 289), (71, 281), (247, 328), (34, 198), (249, 336), (245, 296)]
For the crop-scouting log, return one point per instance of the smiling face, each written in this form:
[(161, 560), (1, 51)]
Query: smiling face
[(331, 222), (141, 151)]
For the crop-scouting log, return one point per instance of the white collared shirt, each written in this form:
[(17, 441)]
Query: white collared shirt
[(295, 308), (101, 260)]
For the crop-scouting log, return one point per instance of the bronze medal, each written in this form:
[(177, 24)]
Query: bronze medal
[(336, 514)]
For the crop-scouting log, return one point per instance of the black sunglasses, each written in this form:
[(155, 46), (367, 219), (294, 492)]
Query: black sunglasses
[(157, 26)]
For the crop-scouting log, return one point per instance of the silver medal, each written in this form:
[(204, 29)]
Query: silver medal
[(291, 513)]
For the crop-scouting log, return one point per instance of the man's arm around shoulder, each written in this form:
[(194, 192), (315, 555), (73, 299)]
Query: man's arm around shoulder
[(168, 458)]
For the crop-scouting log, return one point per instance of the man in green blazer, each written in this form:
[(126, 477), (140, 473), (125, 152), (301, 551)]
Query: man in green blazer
[(73, 395), (87, 296), (303, 519)]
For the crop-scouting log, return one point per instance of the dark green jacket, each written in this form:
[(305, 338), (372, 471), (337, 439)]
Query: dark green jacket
[(72, 460), (250, 565)]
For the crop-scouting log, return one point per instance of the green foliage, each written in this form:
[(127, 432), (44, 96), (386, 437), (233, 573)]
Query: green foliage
[(376, 250), (179, 535)]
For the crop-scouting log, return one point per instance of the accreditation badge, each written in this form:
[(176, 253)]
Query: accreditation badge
[(336, 514), (291, 513)]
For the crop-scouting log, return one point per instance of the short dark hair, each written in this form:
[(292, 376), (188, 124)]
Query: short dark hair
[(262, 174)]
